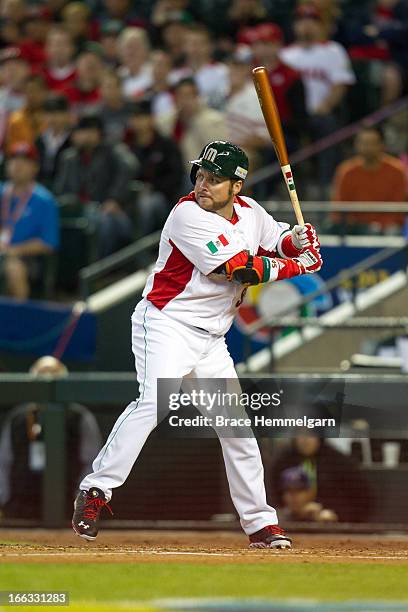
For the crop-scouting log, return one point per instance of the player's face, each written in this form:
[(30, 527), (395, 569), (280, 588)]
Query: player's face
[(213, 193)]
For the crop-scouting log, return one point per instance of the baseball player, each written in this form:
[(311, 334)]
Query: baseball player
[(214, 244)]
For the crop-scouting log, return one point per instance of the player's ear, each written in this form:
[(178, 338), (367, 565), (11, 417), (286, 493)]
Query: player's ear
[(236, 187)]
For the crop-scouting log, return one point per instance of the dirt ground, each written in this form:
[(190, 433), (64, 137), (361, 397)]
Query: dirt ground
[(62, 546)]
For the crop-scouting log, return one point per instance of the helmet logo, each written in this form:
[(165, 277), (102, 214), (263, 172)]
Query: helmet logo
[(210, 154)]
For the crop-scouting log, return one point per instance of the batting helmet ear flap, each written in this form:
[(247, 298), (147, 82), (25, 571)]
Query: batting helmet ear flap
[(196, 164), (193, 173)]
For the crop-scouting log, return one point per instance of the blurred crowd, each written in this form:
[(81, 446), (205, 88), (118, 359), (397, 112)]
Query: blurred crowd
[(103, 103)]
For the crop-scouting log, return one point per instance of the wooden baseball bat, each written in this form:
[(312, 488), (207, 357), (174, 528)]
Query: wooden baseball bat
[(274, 125)]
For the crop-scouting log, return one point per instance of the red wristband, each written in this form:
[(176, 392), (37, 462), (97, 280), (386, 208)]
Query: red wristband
[(287, 268), (288, 248)]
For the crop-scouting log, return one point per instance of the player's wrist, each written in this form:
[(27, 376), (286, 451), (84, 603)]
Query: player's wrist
[(287, 268), (310, 261), (289, 245), (275, 268)]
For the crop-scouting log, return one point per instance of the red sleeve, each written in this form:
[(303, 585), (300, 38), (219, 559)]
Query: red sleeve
[(263, 253)]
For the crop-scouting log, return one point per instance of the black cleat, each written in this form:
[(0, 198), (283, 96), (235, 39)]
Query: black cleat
[(87, 507)]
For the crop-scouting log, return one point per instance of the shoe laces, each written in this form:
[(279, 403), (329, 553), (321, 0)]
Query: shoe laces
[(93, 507), (275, 530)]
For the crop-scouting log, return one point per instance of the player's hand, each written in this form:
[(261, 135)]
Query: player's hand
[(304, 237), (309, 261)]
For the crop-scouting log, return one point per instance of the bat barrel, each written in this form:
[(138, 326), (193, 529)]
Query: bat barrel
[(273, 123), (270, 113)]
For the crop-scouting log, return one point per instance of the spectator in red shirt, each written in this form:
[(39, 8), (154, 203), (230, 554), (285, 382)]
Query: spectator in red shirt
[(266, 41), (35, 30), (243, 14), (60, 67)]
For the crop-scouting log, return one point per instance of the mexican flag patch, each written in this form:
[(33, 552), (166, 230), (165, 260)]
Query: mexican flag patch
[(289, 180), (214, 246)]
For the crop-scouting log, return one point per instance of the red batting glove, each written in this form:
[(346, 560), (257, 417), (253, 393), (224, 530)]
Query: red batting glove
[(310, 260)]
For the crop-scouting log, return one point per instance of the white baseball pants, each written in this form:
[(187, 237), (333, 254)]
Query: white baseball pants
[(166, 348)]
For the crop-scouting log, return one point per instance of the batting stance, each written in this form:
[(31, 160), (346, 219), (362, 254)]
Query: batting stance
[(178, 327)]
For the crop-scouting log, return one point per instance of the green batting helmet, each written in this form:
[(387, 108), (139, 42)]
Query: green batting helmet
[(223, 159)]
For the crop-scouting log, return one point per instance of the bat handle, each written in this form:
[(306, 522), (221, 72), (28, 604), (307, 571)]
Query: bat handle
[(290, 184), (296, 207)]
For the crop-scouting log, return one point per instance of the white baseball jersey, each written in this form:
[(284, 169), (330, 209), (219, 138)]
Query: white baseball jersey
[(321, 65), (194, 242), (212, 81)]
